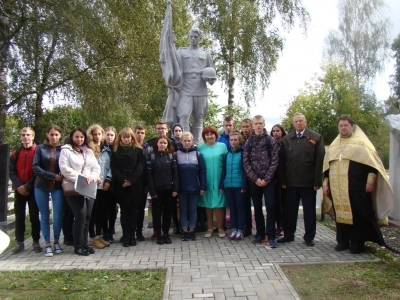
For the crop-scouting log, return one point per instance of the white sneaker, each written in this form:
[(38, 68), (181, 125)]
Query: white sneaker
[(232, 236), (48, 252), (57, 248)]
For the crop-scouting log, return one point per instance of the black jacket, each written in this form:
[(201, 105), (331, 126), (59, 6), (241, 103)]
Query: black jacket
[(127, 164), (162, 173), (45, 166), (301, 160)]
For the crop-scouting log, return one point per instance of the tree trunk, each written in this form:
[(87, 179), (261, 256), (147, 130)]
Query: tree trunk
[(4, 47), (231, 79), (37, 127)]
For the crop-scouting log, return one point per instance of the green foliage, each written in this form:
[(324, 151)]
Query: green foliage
[(217, 113), (12, 131), (363, 37), (334, 94), (247, 42), (101, 56), (392, 105)]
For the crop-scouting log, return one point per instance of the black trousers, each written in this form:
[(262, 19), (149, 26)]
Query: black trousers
[(279, 203), (128, 202), (98, 215), (68, 222), (140, 214), (247, 208), (257, 193), (291, 209), (82, 209), (20, 215), (162, 208), (110, 213), (174, 212)]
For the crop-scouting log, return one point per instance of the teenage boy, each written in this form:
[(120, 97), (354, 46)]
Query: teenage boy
[(22, 178), (260, 161), (228, 125)]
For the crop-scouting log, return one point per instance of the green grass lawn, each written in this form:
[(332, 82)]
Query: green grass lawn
[(346, 281), (79, 284)]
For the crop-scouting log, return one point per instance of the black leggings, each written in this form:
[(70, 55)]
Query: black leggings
[(110, 213), (98, 214), (81, 208)]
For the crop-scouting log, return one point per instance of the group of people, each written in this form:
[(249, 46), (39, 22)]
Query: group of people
[(234, 169)]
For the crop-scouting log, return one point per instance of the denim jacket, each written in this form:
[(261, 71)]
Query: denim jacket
[(104, 161)]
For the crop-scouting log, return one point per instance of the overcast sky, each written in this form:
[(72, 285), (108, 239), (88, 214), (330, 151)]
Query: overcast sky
[(302, 57)]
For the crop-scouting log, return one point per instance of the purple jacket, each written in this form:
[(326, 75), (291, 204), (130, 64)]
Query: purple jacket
[(260, 157)]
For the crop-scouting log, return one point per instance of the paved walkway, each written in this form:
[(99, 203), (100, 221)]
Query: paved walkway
[(212, 268)]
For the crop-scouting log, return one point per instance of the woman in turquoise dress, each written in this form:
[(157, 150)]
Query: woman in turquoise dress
[(213, 200)]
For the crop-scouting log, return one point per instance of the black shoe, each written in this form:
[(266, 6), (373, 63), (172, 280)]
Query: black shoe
[(185, 236), (140, 237), (81, 251), (285, 240), (89, 249), (309, 243), (126, 242), (122, 239), (68, 242), (342, 246), (160, 240), (20, 246), (110, 239), (356, 247), (177, 230), (247, 232), (192, 236), (166, 238), (132, 242)]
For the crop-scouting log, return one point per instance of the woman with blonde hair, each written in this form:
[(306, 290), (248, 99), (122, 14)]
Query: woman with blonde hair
[(127, 163), (96, 137), (111, 204)]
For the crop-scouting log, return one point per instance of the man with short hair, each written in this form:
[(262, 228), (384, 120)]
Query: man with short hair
[(22, 178), (351, 181), (260, 161), (140, 134), (247, 129), (228, 125), (246, 132), (161, 130), (300, 172)]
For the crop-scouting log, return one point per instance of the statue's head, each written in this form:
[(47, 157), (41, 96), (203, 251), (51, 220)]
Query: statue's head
[(197, 31)]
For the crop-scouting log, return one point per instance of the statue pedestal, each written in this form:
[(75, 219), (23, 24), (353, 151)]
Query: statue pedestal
[(394, 162)]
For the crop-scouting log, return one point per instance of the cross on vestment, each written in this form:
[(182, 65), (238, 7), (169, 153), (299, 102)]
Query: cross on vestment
[(340, 156)]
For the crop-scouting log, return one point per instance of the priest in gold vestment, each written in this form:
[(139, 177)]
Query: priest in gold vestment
[(358, 188)]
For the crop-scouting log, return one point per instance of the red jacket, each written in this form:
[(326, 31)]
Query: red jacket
[(20, 171)]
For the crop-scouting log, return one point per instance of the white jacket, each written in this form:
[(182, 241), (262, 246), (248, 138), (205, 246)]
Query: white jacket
[(71, 163)]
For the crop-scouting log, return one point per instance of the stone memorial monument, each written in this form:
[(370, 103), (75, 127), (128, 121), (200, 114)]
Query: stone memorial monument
[(186, 72), (394, 169)]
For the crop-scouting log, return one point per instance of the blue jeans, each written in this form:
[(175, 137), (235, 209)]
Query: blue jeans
[(237, 206), (42, 200), (188, 206)]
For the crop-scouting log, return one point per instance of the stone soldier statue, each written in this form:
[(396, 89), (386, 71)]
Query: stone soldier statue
[(186, 72)]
